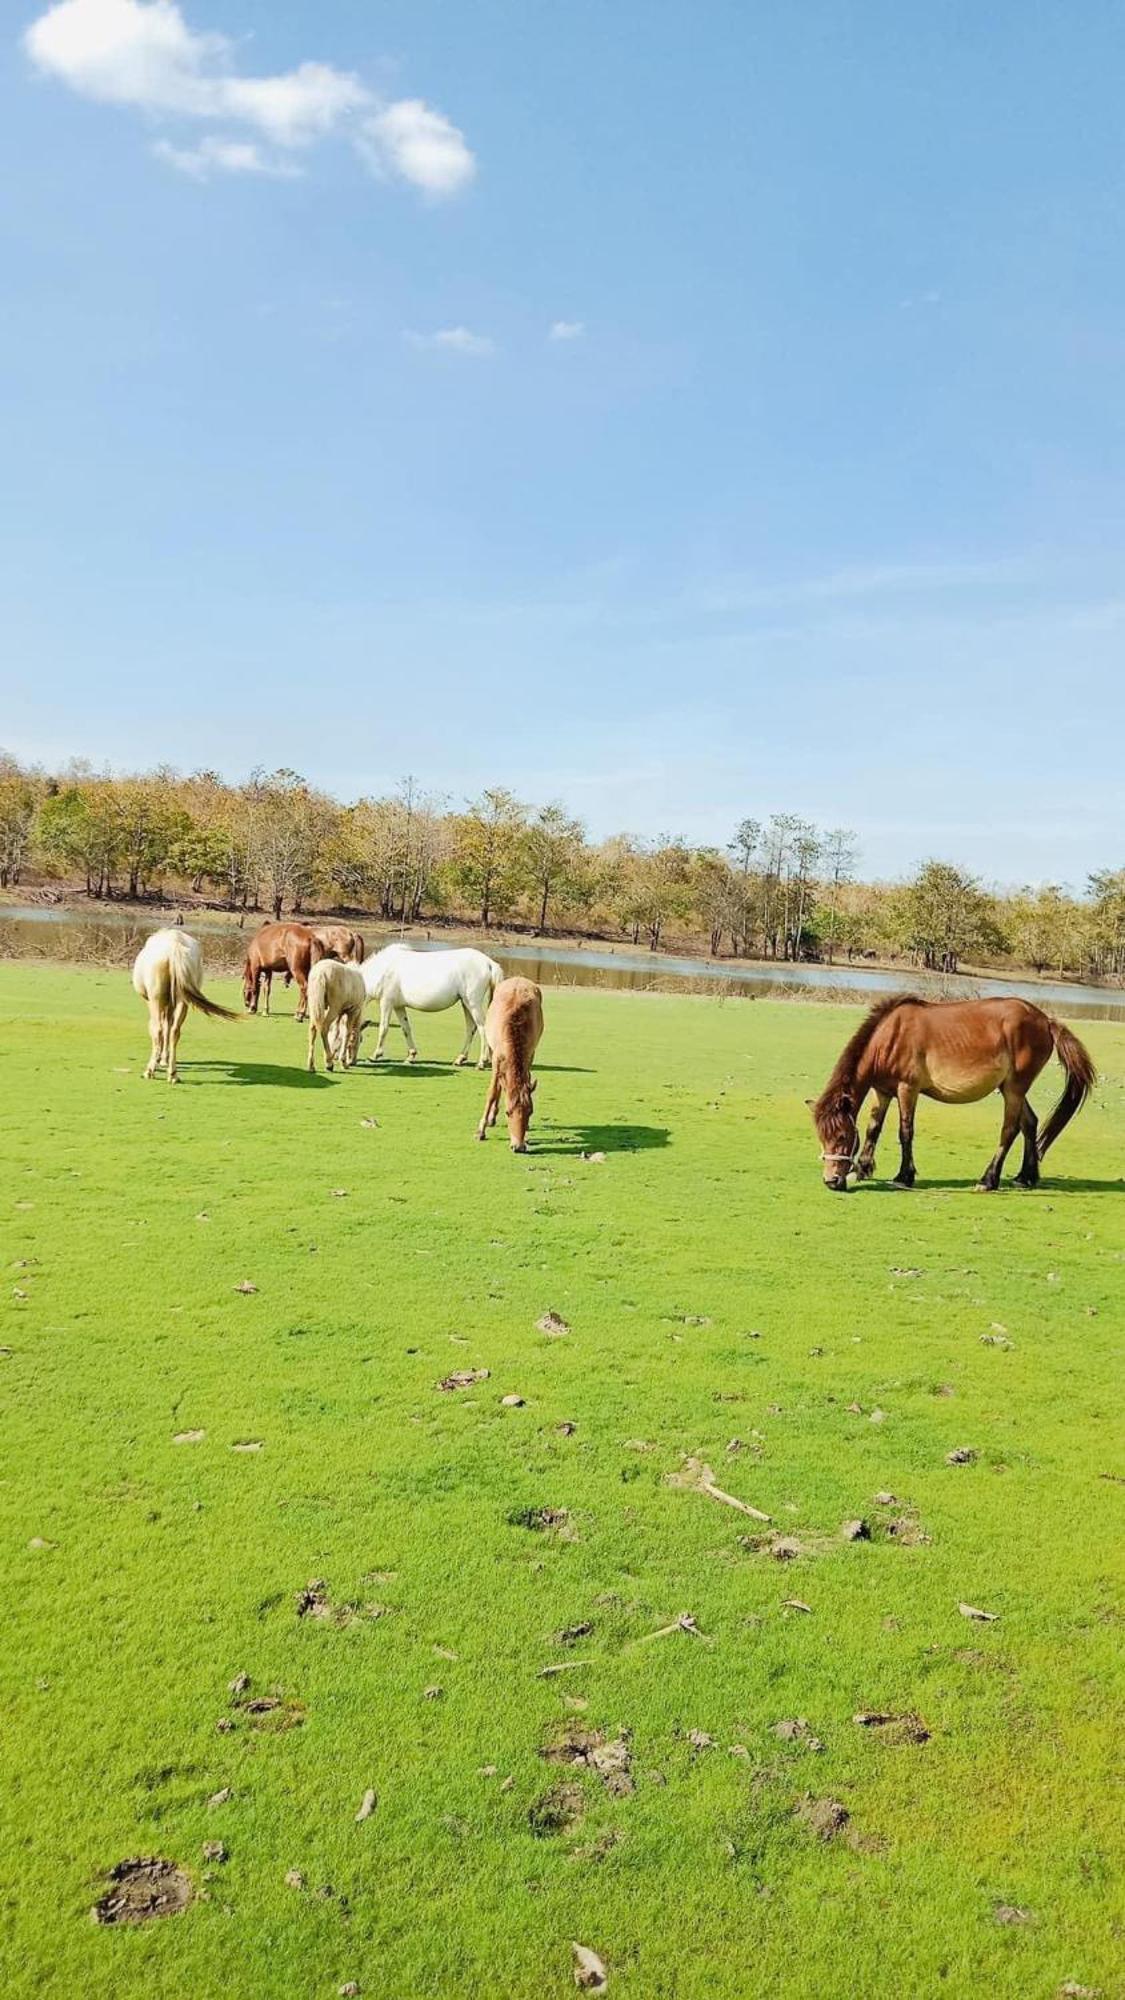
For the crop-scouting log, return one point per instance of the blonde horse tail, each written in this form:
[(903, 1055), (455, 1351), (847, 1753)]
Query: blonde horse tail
[(184, 986)]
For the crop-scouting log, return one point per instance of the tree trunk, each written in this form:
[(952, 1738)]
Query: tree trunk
[(542, 924), (277, 909)]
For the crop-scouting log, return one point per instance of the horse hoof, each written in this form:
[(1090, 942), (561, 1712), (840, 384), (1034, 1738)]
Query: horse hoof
[(903, 1187), (987, 1187)]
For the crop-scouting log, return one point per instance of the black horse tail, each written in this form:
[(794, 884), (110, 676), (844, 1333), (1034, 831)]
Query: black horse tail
[(1081, 1077)]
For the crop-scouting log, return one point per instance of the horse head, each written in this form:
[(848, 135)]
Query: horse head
[(834, 1116)]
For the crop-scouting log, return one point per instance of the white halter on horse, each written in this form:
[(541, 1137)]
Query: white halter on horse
[(399, 977)]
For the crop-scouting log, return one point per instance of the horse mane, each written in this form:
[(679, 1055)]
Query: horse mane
[(849, 1058)]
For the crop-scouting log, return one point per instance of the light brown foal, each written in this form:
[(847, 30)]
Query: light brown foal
[(512, 1028)]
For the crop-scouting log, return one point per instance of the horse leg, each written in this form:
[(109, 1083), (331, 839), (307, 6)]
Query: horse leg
[(865, 1165), (175, 1024), (302, 1013), (1028, 1175), (384, 1024), (404, 1023), (470, 1031), (266, 977), (156, 1037), (492, 1102), (1013, 1119), (907, 1099)]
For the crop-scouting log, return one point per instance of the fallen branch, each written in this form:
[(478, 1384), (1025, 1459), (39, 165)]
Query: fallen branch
[(699, 1478)]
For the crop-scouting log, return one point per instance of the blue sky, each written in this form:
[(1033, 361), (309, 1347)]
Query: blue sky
[(771, 459)]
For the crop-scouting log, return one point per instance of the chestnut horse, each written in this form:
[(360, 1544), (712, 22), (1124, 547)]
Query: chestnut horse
[(513, 1027), (339, 942), (956, 1051), (289, 948)]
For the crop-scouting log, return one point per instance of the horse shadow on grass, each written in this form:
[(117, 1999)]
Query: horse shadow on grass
[(284, 1076), (1062, 1184), (574, 1140)]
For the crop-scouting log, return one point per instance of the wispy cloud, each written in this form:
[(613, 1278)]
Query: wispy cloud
[(409, 141), (860, 583), (566, 329), (142, 55), (224, 156), (452, 340)]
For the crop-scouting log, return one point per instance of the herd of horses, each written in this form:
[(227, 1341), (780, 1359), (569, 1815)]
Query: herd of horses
[(335, 982), (955, 1051)]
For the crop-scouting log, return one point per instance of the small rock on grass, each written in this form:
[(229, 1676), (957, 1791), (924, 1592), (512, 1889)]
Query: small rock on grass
[(214, 1851), (962, 1454), (554, 1324), (855, 1531), (220, 1798), (366, 1807), (294, 1879), (971, 1611), (512, 1402), (349, 1989), (1010, 1913), (189, 1437), (590, 1975), (246, 1287)]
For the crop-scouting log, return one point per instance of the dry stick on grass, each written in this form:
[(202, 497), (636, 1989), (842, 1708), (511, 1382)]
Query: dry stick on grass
[(697, 1477)]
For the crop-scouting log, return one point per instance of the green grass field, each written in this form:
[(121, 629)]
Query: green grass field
[(714, 1292)]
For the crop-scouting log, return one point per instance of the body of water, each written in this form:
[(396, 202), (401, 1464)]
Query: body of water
[(43, 931)]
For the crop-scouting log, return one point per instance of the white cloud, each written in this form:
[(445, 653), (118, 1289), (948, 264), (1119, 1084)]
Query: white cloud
[(453, 340), (567, 329), (143, 54), (223, 156), (417, 144)]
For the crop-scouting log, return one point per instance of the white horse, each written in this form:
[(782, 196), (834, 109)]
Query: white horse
[(168, 973), (399, 977)]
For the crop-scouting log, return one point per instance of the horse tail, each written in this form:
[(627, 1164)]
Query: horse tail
[(495, 974), (1081, 1077), (185, 986)]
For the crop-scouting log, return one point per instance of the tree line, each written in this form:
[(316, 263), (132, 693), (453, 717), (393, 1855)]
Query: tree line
[(780, 889)]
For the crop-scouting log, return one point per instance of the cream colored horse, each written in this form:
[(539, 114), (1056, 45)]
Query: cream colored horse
[(168, 973), (337, 997)]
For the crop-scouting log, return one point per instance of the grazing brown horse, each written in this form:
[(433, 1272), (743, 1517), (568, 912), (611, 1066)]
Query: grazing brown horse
[(956, 1051), (289, 948), (512, 1029), (339, 942)]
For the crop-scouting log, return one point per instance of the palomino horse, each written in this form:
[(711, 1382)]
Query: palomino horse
[(514, 1025), (168, 973), (337, 997), (289, 948), (957, 1051), (399, 977)]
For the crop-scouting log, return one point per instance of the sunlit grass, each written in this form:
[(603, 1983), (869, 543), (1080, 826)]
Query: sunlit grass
[(714, 1292)]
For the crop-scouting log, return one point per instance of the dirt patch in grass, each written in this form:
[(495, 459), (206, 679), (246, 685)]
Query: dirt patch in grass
[(143, 1888), (590, 1750), (559, 1808), (823, 1818)]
